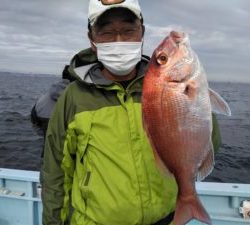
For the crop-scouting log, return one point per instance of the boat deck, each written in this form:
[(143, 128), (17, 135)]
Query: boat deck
[(20, 200)]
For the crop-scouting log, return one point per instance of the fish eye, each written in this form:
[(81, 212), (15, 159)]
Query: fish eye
[(162, 59)]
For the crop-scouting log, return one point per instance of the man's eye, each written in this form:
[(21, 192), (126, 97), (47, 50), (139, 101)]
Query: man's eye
[(107, 33), (129, 32)]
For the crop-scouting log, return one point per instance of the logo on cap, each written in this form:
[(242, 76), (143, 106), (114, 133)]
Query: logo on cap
[(111, 2)]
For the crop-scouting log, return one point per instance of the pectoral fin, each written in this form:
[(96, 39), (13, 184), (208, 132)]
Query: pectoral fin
[(218, 104), (207, 165)]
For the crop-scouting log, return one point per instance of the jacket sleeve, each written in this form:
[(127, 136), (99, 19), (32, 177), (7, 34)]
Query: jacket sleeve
[(58, 166), (216, 137)]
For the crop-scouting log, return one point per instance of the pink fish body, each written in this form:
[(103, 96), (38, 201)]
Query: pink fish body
[(177, 116)]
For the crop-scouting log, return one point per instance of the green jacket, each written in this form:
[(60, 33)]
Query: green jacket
[(99, 167)]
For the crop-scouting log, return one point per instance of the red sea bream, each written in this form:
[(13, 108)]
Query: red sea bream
[(177, 114)]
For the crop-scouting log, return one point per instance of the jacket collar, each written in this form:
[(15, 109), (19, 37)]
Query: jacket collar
[(91, 73)]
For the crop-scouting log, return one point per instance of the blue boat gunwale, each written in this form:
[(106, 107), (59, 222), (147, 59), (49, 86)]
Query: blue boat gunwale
[(222, 200), (204, 188), (223, 189), (22, 175)]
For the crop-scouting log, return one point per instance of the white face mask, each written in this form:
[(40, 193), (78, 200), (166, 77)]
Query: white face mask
[(120, 58)]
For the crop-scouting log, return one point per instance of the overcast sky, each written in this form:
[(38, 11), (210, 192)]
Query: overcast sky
[(41, 36)]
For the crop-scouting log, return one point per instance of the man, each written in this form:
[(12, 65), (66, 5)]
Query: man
[(98, 165)]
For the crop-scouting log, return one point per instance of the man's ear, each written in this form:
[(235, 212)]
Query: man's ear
[(93, 47)]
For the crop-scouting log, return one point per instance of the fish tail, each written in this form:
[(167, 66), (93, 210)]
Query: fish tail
[(188, 209)]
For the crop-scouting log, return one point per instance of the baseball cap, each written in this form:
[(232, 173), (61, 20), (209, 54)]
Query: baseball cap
[(98, 7)]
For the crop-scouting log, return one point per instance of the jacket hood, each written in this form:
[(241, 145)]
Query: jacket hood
[(84, 59)]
